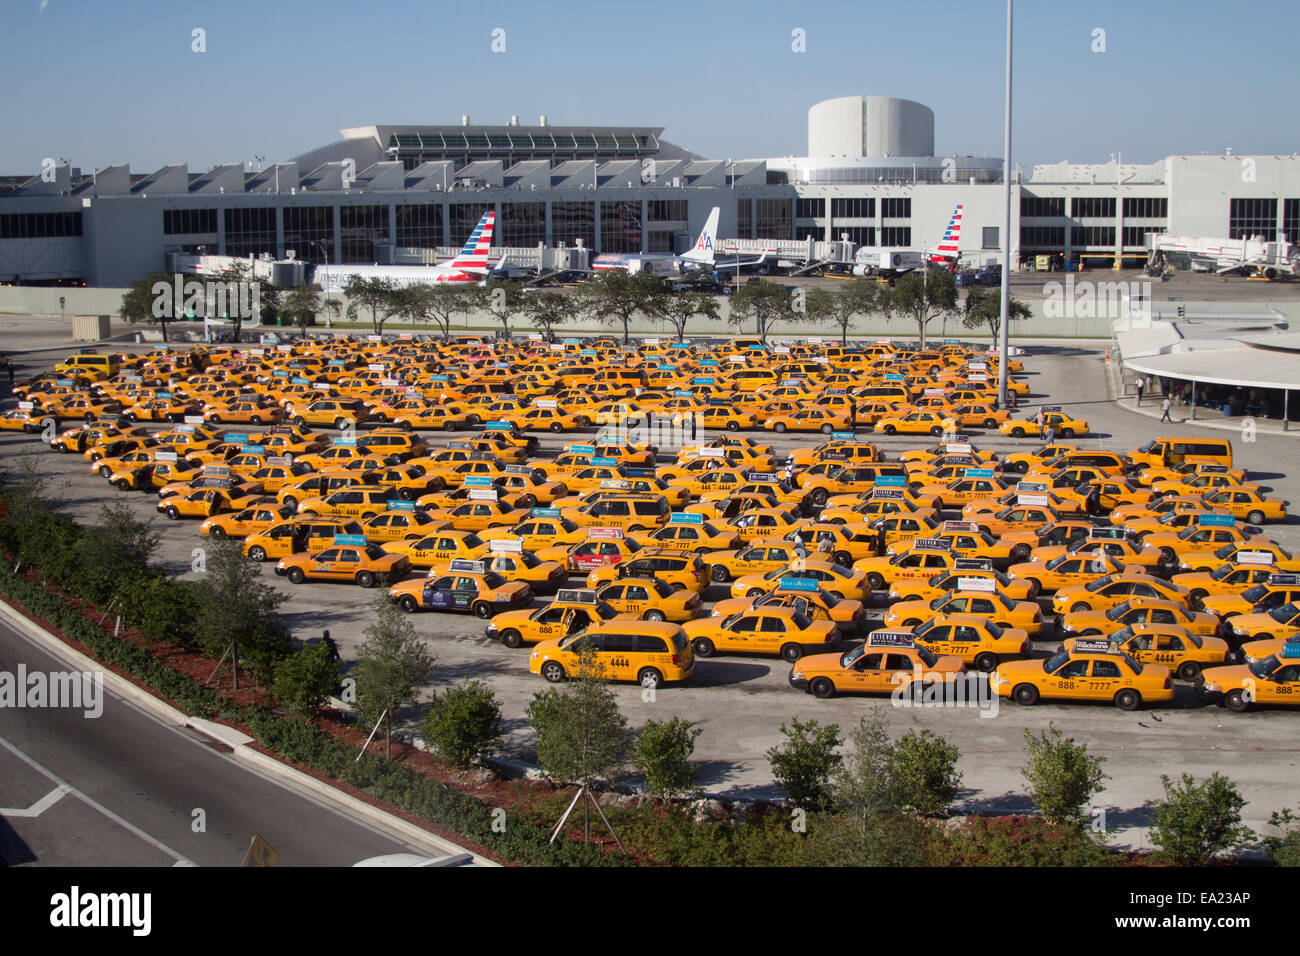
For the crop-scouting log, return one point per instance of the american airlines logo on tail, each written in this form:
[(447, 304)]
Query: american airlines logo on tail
[(947, 248), (475, 253)]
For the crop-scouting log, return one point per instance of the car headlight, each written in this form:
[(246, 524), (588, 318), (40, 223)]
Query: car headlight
[(797, 675), (1213, 688)]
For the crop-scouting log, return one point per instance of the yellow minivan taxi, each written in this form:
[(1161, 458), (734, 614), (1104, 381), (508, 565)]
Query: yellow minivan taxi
[(648, 652), (89, 365)]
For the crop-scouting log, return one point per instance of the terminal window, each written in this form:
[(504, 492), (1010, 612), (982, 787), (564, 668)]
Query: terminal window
[(1042, 206), (744, 219), (419, 226), (858, 235), (1137, 235), (854, 208), (1042, 237), (896, 209), (1252, 217), (571, 221), (251, 232), (659, 240), (989, 239), (620, 225), (1291, 219), (1093, 236), (522, 224), (1146, 207), (773, 218), (1092, 207), (360, 228), (666, 210), (309, 230), (40, 225), (179, 221), (814, 208), (896, 236)]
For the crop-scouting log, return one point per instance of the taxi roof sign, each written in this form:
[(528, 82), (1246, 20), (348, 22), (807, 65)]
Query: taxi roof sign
[(977, 584), (474, 567), (1032, 488), (890, 639), (164, 456), (575, 596), (978, 473), (891, 481), (543, 512), (581, 449), (499, 426), (887, 494), (605, 534), (973, 564), (798, 584), (351, 540), (397, 504), (686, 517), (1040, 501), (1254, 557), (1091, 647), (478, 481), (519, 470), (971, 526), (1213, 519), (483, 494), (193, 419), (1289, 580), (510, 545), (932, 544)]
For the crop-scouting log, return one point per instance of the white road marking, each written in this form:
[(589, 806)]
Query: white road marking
[(40, 806), (91, 802)]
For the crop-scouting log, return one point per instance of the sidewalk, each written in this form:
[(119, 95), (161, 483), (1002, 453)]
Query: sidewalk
[(1206, 417)]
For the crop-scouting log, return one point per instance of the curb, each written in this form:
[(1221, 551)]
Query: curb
[(239, 743), (1221, 424)]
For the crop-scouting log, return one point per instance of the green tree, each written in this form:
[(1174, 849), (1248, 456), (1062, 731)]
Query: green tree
[(303, 304), (1062, 776), (118, 545), (380, 297), (463, 725), (238, 611), (139, 300), (504, 299), (582, 735), (663, 753), (681, 309), (813, 306), (1284, 849), (983, 309), (613, 297), (547, 310), (924, 296), (766, 303), (269, 298), (392, 665), (305, 680), (856, 297), (805, 763), (1195, 822), (436, 303), (924, 771)]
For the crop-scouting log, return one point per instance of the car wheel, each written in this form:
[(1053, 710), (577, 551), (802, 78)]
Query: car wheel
[(105, 471), (720, 574), (512, 638), (990, 423), (703, 647), (291, 502), (123, 484), (986, 662), (539, 476), (733, 426), (1236, 701), (875, 581), (1079, 606), (296, 576), (1017, 433), (173, 514), (366, 579), (1025, 694), (1090, 632), (408, 603), (791, 652), (1020, 552), (217, 531), (482, 610), (827, 429), (1036, 584), (257, 553), (557, 427), (1188, 670), (779, 428), (890, 430), (1128, 699), (553, 671), (822, 687), (755, 593), (650, 677), (1255, 517), (843, 559), (255, 420), (936, 431), (656, 616), (1021, 466)]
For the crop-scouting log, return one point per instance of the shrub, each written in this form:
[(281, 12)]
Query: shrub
[(1284, 850), (663, 753), (803, 765), (304, 680), (463, 725), (924, 771), (1195, 822), (1062, 776)]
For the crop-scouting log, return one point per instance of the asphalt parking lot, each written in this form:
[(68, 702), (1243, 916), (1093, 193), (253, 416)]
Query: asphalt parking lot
[(740, 703)]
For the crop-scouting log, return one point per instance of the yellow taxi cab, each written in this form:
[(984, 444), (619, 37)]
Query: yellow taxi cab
[(1140, 518), (758, 558), (809, 598), (1065, 425), (463, 585), (1174, 647), (352, 502), (807, 419), (1199, 536), (1256, 551), (338, 413), (762, 630), (917, 423), (923, 559), (1122, 549), (971, 637), (675, 568), (842, 582), (650, 653), (967, 574), (299, 535), (602, 547), (1273, 591), (1064, 570), (978, 415), (976, 484), (1248, 504), (1198, 484), (480, 514), (439, 547), (1272, 680), (628, 512), (1150, 474), (202, 503), (1137, 611), (1279, 623), (508, 558), (839, 543), (985, 602), (350, 558), (968, 540), (888, 661), (543, 528), (244, 413), (246, 522), (1089, 671), (402, 521), (1107, 591), (649, 599), (687, 532), (899, 529), (526, 490), (163, 408), (572, 610)]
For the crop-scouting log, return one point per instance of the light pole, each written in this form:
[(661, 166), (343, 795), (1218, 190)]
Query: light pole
[(1006, 231)]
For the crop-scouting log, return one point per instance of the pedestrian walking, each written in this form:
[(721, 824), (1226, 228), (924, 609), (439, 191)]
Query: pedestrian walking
[(789, 469), (1038, 419), (1164, 410), (1141, 384), (333, 648), (1049, 436), (799, 550)]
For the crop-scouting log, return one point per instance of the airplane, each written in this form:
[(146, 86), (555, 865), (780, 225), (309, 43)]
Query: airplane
[(876, 260), (471, 265), (698, 260)]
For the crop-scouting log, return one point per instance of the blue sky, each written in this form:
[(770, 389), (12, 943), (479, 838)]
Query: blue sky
[(103, 81)]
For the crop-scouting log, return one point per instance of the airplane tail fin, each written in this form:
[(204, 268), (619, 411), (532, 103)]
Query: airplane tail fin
[(704, 245), (474, 255), (947, 248)]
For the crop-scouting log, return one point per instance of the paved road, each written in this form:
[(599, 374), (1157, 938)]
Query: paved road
[(741, 702), (123, 790)]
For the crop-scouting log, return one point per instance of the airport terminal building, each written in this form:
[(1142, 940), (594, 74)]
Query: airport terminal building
[(386, 193)]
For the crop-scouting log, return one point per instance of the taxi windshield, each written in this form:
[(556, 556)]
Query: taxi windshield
[(1221, 572), (1122, 635), (1283, 614), (493, 580), (1096, 584), (1055, 661), (849, 657), (1262, 668), (928, 625), (1255, 593), (1119, 610), (1056, 562), (604, 611), (928, 659)]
